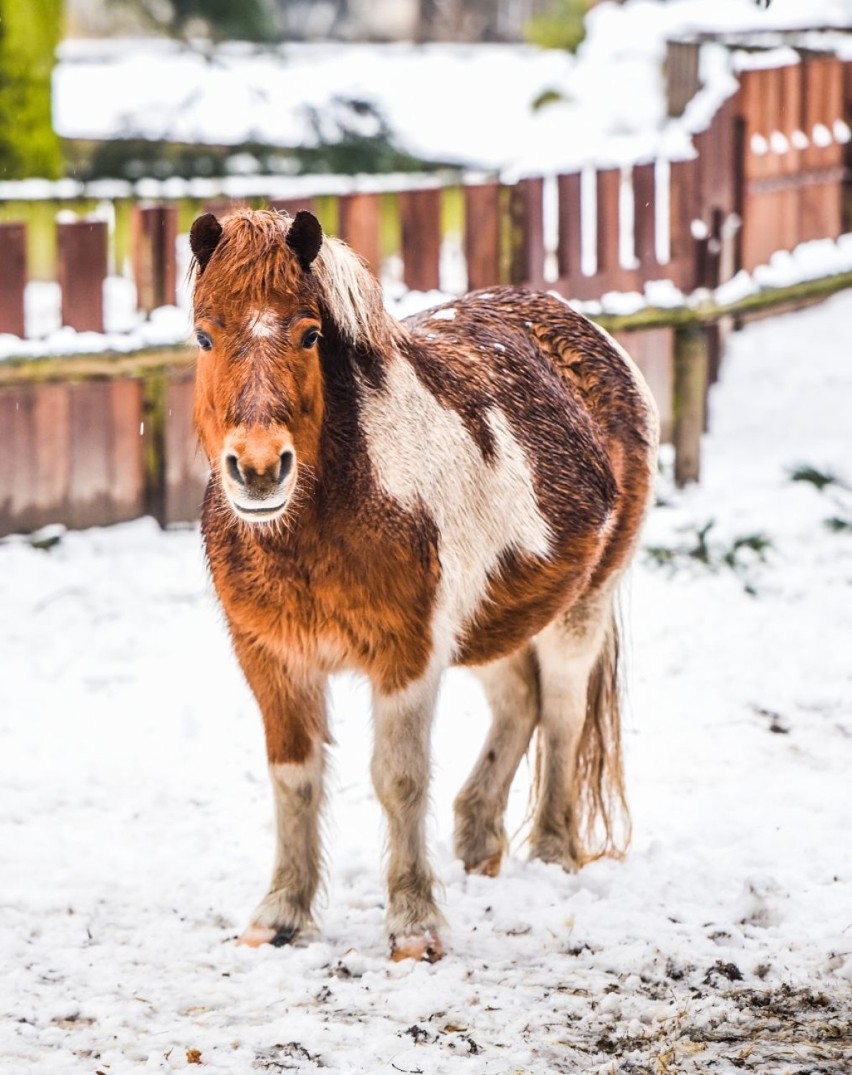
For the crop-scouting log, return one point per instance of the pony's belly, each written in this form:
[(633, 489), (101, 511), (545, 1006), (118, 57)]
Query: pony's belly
[(518, 604)]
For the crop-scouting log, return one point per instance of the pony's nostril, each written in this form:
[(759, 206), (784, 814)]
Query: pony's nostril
[(286, 464), (233, 468)]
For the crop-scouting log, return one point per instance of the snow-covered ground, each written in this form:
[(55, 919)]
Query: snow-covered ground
[(135, 818)]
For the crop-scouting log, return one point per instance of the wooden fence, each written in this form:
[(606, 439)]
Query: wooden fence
[(109, 439)]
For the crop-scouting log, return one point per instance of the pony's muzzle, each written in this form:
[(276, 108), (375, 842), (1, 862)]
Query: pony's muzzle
[(258, 477)]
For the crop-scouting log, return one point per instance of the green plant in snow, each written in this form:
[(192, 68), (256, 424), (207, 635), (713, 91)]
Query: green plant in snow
[(739, 555), (834, 488)]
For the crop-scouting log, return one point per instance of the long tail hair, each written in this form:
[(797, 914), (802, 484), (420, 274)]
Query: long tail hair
[(598, 814)]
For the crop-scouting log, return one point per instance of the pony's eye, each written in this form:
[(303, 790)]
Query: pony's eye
[(310, 337), (204, 341)]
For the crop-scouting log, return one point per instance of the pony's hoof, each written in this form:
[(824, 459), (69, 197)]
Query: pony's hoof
[(256, 935), (425, 947), (489, 867)]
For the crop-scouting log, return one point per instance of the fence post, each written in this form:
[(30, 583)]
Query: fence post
[(155, 256), (420, 225), (690, 393), (482, 234), (82, 269), (13, 277)]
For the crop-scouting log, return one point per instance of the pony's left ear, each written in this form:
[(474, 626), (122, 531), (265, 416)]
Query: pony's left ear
[(305, 237), (204, 236)]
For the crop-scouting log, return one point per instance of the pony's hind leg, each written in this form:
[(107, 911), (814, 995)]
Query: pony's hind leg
[(295, 724), (400, 771), (511, 687), (579, 779)]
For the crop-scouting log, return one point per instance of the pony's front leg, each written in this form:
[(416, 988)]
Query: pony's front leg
[(294, 720), (400, 771)]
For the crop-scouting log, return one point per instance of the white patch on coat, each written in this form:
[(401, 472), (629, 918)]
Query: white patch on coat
[(262, 324), (424, 456), (448, 314)]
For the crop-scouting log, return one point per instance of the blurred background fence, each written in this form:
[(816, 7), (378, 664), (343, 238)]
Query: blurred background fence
[(100, 440)]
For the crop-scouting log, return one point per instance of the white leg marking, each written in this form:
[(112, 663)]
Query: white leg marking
[(401, 771), (511, 686), (567, 650), (298, 795)]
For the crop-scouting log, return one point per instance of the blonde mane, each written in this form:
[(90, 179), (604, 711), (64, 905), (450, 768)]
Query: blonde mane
[(353, 297)]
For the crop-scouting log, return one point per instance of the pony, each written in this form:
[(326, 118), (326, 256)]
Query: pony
[(463, 487)]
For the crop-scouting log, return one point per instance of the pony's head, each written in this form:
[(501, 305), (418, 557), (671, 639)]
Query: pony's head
[(267, 289)]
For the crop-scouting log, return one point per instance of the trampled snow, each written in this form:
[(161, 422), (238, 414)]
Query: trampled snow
[(135, 817)]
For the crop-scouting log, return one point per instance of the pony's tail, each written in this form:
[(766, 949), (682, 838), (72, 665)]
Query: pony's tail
[(600, 818)]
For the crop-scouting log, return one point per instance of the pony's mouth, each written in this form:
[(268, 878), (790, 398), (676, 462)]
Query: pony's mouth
[(263, 509), (264, 514)]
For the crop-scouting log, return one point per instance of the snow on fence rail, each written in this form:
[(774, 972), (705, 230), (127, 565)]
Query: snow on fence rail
[(108, 440)]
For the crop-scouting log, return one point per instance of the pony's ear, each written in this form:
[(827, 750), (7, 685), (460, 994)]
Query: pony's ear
[(305, 237), (204, 236)]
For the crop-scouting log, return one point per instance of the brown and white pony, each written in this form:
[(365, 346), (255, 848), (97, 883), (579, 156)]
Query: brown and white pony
[(464, 487)]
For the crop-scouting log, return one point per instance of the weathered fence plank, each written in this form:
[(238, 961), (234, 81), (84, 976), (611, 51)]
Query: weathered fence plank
[(683, 212), (482, 245), (608, 181), (420, 227), (82, 270), (154, 229), (13, 277), (185, 469), (569, 249), (645, 219), (526, 230), (359, 225)]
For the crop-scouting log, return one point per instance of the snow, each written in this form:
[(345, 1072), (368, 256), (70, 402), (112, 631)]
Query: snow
[(135, 817), (472, 105)]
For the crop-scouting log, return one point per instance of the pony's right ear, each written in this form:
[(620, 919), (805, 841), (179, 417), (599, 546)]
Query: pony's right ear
[(204, 236)]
